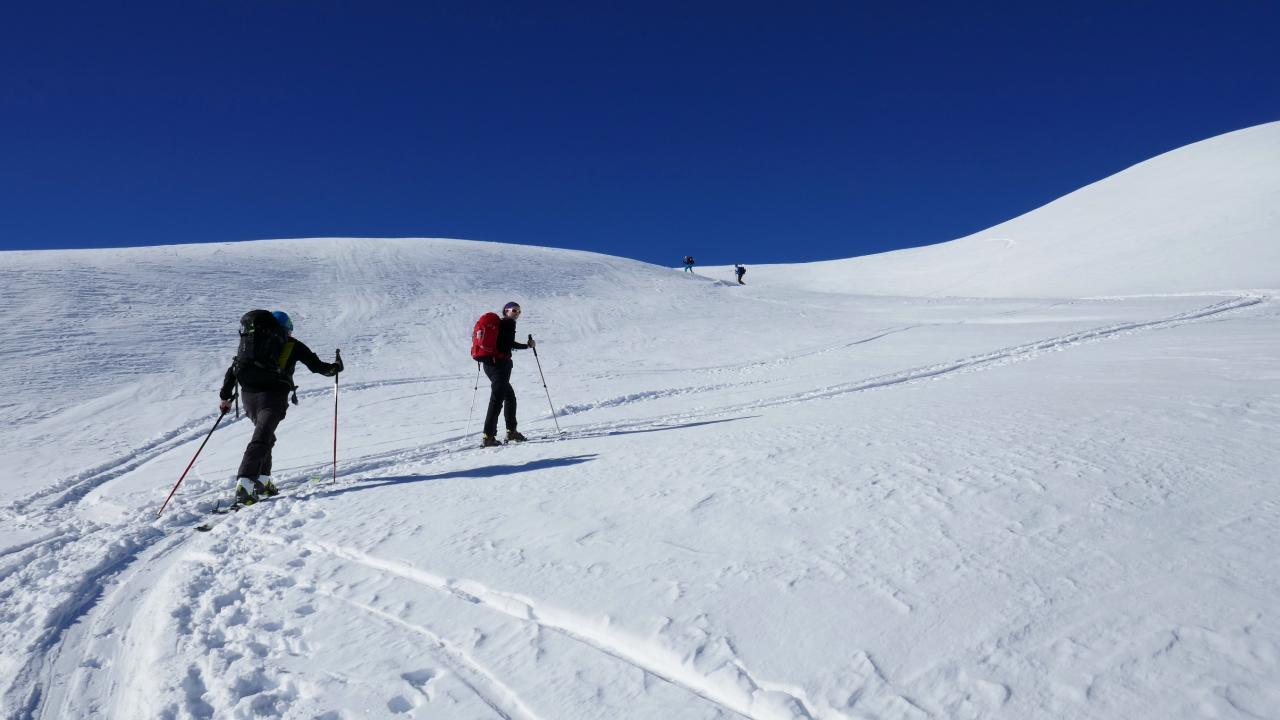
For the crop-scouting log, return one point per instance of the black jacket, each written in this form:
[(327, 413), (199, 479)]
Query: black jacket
[(254, 379)]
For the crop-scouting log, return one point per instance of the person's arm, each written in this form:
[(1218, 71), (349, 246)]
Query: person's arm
[(228, 389), (228, 383), (313, 362)]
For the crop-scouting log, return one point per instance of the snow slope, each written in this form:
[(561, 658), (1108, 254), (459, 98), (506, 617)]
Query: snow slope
[(1201, 218), (780, 500)]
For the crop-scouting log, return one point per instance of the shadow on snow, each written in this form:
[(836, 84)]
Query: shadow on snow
[(487, 471), (632, 430)]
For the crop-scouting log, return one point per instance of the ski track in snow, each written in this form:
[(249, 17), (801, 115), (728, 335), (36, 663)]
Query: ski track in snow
[(70, 490), (42, 619), (994, 358), (91, 642), (756, 702), (489, 688), (75, 488)]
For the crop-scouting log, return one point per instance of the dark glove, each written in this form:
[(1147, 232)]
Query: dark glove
[(337, 361)]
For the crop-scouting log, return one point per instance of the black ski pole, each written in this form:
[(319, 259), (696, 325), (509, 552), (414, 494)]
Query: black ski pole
[(193, 462), (467, 430), (544, 385), (337, 354)]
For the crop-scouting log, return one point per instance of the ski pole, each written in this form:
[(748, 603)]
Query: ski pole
[(193, 462), (467, 430), (337, 354), (544, 385)]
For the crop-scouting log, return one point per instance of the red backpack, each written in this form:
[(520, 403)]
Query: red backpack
[(484, 337)]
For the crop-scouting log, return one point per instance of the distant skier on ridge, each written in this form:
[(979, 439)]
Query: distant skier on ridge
[(739, 271), (263, 367), (492, 341), (688, 263)]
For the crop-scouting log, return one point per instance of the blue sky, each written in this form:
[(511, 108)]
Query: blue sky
[(737, 132)]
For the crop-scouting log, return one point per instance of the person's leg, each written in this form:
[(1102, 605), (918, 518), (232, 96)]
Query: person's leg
[(497, 393), (509, 399), (265, 410), (269, 419), (252, 457)]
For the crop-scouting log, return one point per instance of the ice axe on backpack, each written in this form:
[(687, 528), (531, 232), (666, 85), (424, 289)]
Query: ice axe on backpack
[(544, 384)]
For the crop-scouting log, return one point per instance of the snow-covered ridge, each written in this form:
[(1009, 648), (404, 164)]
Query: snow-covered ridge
[(1205, 217)]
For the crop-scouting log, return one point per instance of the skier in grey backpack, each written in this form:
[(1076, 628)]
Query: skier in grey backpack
[(263, 367)]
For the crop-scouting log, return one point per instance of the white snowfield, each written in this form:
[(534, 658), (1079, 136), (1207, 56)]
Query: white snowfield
[(1026, 474)]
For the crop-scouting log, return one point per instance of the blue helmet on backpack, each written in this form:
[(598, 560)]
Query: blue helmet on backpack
[(282, 317)]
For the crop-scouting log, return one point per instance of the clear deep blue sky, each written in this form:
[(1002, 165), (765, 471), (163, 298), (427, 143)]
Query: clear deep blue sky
[(738, 132)]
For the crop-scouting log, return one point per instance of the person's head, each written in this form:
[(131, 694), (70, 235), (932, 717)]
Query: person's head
[(511, 310), (282, 317)]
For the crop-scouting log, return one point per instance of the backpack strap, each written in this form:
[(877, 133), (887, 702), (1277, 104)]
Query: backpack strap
[(285, 352)]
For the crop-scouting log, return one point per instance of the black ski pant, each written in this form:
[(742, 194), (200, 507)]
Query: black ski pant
[(265, 409), (501, 396)]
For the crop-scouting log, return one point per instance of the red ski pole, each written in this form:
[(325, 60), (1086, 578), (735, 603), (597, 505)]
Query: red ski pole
[(193, 462)]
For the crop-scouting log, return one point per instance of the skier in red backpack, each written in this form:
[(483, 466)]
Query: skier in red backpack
[(491, 346)]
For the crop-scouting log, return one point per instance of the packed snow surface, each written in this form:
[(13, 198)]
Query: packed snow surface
[(986, 479)]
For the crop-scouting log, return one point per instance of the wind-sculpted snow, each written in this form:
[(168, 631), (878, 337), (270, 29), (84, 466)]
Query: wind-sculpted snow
[(761, 501)]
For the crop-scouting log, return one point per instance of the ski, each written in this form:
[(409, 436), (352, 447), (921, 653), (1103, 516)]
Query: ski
[(538, 439), (219, 511)]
